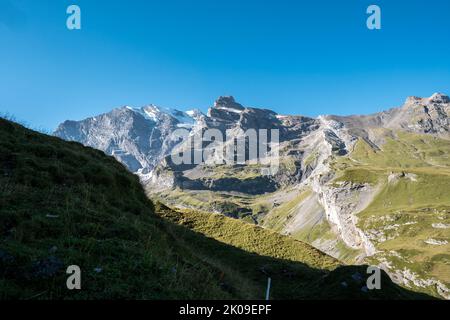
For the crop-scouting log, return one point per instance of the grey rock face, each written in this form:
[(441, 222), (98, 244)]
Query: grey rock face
[(419, 115), (139, 138), (143, 139), (227, 103)]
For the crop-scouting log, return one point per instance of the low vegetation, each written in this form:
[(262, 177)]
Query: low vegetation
[(412, 174), (298, 271), (63, 204)]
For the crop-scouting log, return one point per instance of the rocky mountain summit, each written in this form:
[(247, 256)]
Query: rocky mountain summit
[(137, 137), (141, 137), (362, 188), (419, 115)]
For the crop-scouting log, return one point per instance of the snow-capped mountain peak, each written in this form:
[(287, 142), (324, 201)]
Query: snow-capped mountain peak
[(158, 114)]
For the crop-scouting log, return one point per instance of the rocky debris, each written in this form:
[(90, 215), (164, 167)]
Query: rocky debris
[(341, 210), (440, 226), (436, 242), (422, 115), (409, 278), (379, 236), (386, 232)]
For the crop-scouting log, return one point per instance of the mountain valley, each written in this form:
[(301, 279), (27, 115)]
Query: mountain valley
[(364, 189)]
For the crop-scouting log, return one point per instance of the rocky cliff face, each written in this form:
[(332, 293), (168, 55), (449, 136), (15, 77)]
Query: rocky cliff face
[(137, 137), (353, 186), (142, 137), (418, 115)]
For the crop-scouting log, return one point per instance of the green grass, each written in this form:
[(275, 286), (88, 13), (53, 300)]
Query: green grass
[(63, 204), (314, 230), (311, 159), (359, 176), (251, 238), (425, 157), (278, 216), (404, 150), (411, 205), (236, 206), (298, 271), (225, 171), (429, 191)]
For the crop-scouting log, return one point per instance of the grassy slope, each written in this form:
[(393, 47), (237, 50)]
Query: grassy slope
[(298, 271), (64, 204), (251, 238), (314, 228), (281, 214), (411, 205)]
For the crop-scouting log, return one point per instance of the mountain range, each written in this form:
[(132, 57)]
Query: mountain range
[(64, 206), (368, 189)]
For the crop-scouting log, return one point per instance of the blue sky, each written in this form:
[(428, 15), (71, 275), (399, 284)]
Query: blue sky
[(296, 57)]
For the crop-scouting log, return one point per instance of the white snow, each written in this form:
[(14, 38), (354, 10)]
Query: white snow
[(154, 113), (230, 110)]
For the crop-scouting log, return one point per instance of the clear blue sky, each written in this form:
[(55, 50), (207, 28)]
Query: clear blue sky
[(296, 57)]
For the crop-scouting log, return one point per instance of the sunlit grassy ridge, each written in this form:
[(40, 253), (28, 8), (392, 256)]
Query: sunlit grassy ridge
[(298, 271), (404, 150), (281, 214), (252, 238)]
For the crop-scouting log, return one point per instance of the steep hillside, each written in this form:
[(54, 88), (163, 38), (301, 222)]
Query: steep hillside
[(408, 217), (64, 204), (251, 258)]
